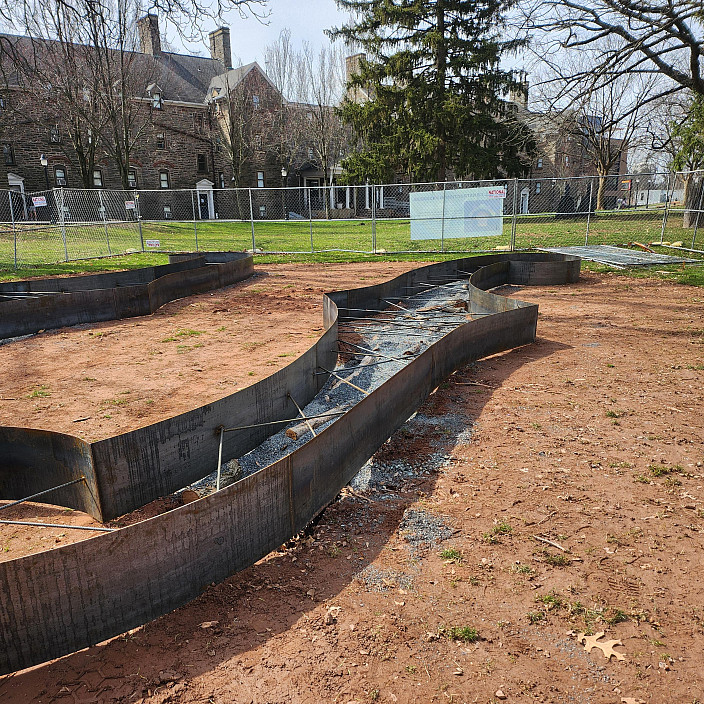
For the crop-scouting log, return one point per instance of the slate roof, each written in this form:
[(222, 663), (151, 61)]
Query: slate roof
[(180, 77)]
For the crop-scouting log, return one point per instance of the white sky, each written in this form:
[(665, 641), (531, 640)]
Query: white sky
[(306, 19)]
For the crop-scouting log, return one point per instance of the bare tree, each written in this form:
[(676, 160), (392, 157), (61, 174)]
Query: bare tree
[(602, 116), (322, 86), (665, 39)]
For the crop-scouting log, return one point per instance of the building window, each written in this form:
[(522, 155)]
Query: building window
[(218, 144), (310, 117), (202, 163), (198, 123), (98, 178), (221, 178), (567, 161), (167, 212), (164, 180), (257, 141), (157, 102), (262, 211), (538, 186), (540, 163), (60, 176), (260, 179), (132, 178), (160, 140), (3, 103), (255, 101), (55, 135), (310, 153), (8, 154)]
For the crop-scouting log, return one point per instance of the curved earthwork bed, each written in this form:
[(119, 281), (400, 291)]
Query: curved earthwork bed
[(61, 600)]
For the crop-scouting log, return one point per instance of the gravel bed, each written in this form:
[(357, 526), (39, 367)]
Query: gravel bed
[(422, 529), (381, 340)]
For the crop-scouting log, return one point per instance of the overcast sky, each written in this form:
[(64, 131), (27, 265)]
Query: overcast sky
[(307, 19)]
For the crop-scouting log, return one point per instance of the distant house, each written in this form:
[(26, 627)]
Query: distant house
[(193, 123)]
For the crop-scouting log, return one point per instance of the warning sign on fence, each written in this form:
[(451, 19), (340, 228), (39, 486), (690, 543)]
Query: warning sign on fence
[(129, 205), (38, 201), (153, 243)]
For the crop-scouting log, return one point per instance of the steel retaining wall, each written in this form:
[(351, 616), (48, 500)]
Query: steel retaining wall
[(115, 295), (61, 600)]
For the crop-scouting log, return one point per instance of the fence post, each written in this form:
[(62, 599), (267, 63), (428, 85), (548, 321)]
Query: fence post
[(139, 218), (589, 211), (195, 224), (14, 229), (105, 222), (699, 212), (310, 220), (251, 220), (512, 244), (373, 219), (667, 206), (62, 219), (442, 219)]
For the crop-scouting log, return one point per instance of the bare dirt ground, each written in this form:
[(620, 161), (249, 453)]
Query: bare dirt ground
[(556, 490)]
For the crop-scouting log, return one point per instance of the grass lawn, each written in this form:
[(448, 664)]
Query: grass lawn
[(41, 248)]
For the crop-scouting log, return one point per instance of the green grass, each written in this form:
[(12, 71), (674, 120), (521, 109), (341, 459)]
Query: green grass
[(40, 247)]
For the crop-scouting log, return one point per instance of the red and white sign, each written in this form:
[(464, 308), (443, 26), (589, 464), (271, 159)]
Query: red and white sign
[(496, 192), (153, 243), (129, 205), (38, 201)]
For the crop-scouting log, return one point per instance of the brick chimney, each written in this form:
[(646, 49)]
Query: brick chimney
[(352, 68), (149, 39), (220, 46)]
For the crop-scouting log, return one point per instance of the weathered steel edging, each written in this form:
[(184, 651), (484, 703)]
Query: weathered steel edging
[(55, 602)]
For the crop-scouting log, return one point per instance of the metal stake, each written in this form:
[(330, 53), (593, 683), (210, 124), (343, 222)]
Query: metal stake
[(57, 525), (41, 493), (105, 221), (217, 479), (251, 219)]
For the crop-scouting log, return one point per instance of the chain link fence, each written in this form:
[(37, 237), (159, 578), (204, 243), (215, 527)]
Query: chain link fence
[(463, 216)]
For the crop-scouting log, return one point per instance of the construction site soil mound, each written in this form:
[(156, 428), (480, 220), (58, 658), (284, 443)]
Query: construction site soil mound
[(538, 495)]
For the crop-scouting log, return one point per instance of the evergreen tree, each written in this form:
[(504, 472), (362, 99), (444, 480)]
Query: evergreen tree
[(433, 90)]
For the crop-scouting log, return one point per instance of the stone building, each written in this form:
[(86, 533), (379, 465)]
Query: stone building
[(190, 122)]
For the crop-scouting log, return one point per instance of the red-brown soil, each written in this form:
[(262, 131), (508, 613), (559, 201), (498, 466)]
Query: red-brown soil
[(591, 439)]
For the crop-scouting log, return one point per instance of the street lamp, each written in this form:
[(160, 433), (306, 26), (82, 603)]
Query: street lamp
[(45, 163)]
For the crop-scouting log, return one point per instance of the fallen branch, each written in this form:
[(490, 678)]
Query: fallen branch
[(550, 542)]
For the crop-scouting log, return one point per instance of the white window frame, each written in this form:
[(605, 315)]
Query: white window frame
[(260, 179), (98, 182), (60, 181), (157, 101), (164, 173)]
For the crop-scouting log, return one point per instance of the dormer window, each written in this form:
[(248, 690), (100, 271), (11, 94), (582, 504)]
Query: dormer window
[(255, 101), (154, 92), (540, 163), (55, 135)]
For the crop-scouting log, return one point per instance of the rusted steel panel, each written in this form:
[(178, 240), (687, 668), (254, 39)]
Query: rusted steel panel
[(68, 598), (114, 295), (34, 460)]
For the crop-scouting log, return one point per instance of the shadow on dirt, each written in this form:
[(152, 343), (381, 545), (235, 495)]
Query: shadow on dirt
[(288, 587)]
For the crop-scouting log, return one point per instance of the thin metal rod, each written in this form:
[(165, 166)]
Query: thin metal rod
[(303, 415), (41, 493), (395, 332), (217, 479), (344, 381), (284, 422), (57, 525), (370, 352), (359, 366), (370, 322)]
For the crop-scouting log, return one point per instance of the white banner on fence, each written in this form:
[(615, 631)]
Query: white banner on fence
[(38, 201), (468, 212)]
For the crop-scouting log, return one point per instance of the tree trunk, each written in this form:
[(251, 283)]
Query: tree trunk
[(600, 193), (690, 196)]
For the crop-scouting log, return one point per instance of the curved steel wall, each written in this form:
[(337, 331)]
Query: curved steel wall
[(114, 295), (58, 601)]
